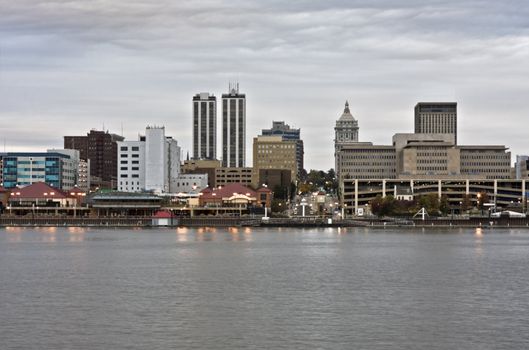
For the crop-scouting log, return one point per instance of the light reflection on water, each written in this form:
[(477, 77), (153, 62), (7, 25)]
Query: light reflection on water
[(228, 288)]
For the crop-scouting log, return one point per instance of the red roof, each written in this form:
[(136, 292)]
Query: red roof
[(163, 214), (227, 191), (38, 190)]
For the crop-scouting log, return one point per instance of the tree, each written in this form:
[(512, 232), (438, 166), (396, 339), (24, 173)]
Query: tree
[(466, 203), (444, 205)]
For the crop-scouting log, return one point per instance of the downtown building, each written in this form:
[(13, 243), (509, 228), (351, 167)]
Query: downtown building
[(99, 148), (204, 126), (274, 153), (280, 128), (234, 128), (57, 168), (152, 163), (432, 156)]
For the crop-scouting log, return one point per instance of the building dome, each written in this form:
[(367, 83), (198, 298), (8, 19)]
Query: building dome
[(346, 115)]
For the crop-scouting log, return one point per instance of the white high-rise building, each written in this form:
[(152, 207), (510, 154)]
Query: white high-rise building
[(156, 171), (234, 128), (150, 164)]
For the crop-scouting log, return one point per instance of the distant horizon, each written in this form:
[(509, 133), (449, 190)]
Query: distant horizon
[(69, 67)]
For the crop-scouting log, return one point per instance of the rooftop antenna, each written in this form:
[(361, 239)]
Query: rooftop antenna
[(121, 128)]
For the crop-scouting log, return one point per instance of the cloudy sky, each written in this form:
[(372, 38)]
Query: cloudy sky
[(67, 66)]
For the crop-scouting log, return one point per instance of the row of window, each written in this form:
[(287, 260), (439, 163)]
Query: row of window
[(133, 148)]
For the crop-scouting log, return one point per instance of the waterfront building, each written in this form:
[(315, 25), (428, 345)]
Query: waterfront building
[(279, 128), (234, 128), (41, 198), (150, 164), (420, 155), (436, 118), (501, 193), (235, 196), (100, 149), (274, 152), (124, 204), (57, 168), (204, 126)]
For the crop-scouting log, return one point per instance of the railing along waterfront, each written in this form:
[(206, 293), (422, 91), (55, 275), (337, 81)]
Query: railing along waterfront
[(70, 221)]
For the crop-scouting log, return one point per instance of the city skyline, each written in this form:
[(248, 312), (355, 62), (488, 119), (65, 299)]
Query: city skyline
[(68, 67)]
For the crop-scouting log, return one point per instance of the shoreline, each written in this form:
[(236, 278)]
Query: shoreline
[(148, 222)]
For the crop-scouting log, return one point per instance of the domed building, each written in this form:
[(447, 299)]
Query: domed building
[(346, 129), (345, 132)]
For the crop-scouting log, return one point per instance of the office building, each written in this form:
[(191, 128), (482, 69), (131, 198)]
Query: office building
[(57, 168), (150, 164), (279, 128), (204, 126), (436, 118), (100, 148), (234, 128), (273, 152)]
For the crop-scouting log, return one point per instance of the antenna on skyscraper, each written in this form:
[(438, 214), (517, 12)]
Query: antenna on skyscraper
[(121, 128)]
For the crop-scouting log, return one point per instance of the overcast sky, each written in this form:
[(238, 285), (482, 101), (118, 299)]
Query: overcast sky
[(69, 66)]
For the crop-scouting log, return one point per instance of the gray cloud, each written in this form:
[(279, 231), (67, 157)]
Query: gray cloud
[(68, 66)]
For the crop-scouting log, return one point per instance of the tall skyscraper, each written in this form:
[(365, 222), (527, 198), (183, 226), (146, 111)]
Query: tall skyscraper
[(436, 118), (204, 126), (233, 128)]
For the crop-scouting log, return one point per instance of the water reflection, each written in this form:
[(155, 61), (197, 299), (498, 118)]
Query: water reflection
[(181, 234), (76, 234), (479, 241), (14, 234)]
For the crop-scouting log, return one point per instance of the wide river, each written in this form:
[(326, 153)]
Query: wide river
[(77, 288)]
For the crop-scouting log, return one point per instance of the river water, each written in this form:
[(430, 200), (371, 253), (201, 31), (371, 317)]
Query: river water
[(73, 288)]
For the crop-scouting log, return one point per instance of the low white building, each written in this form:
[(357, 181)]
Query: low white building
[(190, 183)]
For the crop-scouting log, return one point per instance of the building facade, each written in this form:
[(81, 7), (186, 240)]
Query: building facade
[(190, 183), (521, 167), (436, 118), (279, 128), (204, 126), (273, 152), (234, 128), (345, 134), (55, 168), (150, 164), (225, 176), (501, 193), (100, 148), (131, 171)]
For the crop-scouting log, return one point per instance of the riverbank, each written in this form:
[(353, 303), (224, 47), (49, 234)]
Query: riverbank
[(51, 221)]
